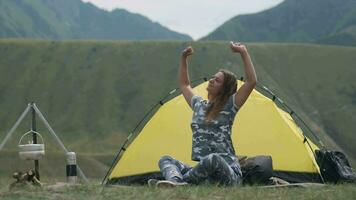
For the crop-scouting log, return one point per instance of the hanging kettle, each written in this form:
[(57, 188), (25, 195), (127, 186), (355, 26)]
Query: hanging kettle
[(31, 151)]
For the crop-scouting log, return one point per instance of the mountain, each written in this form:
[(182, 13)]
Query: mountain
[(292, 21), (93, 93), (345, 37), (74, 19)]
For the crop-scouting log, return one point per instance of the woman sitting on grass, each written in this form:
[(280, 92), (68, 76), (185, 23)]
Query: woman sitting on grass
[(211, 126)]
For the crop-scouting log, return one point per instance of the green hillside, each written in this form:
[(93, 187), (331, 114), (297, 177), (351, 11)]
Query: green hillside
[(292, 21), (345, 37), (74, 19), (93, 93)]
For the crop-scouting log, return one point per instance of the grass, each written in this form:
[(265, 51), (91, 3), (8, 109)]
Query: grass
[(95, 191)]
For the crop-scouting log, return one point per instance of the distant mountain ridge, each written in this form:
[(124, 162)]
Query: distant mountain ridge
[(293, 21), (74, 19), (345, 37)]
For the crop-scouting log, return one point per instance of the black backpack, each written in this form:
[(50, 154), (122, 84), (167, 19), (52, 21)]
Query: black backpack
[(334, 167)]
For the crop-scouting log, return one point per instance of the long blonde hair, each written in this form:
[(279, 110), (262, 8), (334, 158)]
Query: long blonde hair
[(229, 87)]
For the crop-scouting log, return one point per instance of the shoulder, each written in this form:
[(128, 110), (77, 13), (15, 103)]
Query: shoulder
[(231, 105), (195, 100)]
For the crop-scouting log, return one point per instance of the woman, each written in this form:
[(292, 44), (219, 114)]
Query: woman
[(211, 126)]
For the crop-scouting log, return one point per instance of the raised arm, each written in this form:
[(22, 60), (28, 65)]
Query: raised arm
[(183, 76), (251, 79)]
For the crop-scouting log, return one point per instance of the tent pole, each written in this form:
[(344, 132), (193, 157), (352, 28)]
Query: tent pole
[(14, 127), (115, 159), (34, 139), (34, 109), (57, 139), (302, 121)]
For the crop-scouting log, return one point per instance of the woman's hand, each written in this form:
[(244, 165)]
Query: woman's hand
[(187, 52), (238, 47)]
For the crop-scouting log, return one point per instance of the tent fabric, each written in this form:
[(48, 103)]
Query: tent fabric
[(260, 128)]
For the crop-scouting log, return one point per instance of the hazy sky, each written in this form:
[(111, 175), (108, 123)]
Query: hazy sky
[(194, 17)]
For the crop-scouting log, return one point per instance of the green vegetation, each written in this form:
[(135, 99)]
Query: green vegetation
[(294, 21), (93, 93), (346, 37), (74, 19)]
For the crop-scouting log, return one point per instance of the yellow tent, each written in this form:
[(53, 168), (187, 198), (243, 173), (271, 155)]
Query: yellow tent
[(260, 128)]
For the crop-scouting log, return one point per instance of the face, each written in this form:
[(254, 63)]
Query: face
[(215, 84)]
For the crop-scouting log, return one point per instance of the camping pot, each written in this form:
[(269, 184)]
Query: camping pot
[(31, 151)]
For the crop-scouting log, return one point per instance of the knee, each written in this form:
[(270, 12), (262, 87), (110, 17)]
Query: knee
[(211, 157), (165, 159), (210, 160)]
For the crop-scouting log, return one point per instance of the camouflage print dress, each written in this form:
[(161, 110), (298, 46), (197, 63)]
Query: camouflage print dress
[(212, 148)]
